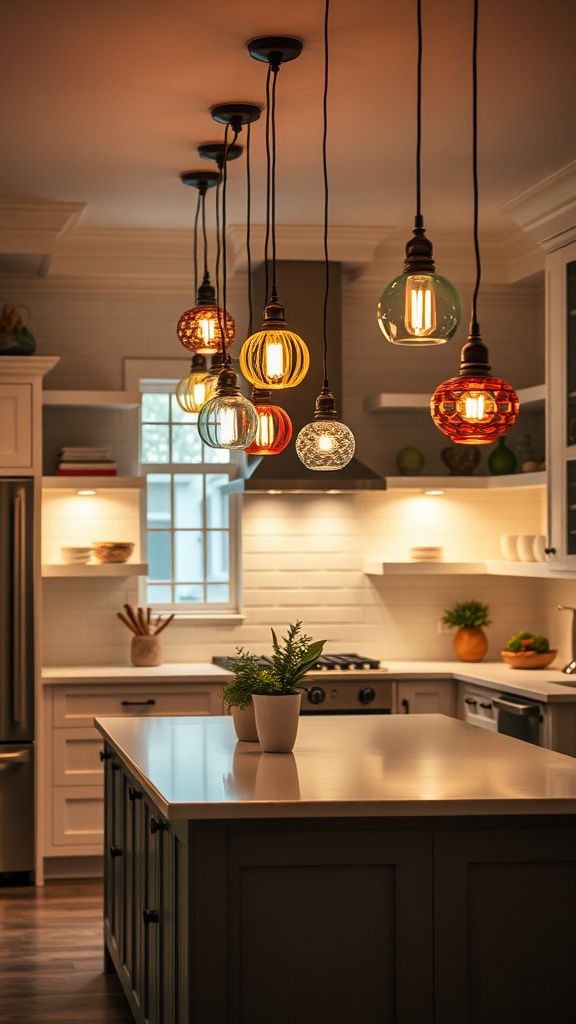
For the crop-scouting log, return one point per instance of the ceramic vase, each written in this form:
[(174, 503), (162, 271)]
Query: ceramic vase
[(277, 718), (502, 460), (245, 723), (146, 651), (470, 643)]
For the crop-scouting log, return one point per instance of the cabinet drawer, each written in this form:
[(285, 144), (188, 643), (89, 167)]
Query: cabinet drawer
[(78, 816), (76, 757), (76, 708)]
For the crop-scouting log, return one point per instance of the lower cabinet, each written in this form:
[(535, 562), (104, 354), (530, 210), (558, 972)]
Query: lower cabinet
[(426, 697), (72, 772), (445, 921)]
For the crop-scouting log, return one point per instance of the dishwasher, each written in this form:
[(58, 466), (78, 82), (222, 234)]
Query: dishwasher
[(505, 713)]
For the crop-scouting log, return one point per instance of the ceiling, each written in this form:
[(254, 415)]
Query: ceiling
[(104, 102)]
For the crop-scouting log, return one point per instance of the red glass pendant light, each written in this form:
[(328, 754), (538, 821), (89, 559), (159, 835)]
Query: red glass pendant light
[(274, 430)]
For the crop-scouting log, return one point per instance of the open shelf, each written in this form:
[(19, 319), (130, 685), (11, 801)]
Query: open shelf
[(74, 483), (425, 483), (97, 570), (387, 400), (375, 567), (93, 399)]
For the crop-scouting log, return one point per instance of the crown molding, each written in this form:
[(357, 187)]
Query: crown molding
[(547, 211), (34, 226), (353, 247)]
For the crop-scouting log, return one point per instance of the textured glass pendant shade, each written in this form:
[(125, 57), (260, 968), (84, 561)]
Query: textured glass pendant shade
[(194, 390), (419, 307), (200, 328), (326, 443), (274, 429), (228, 420), (274, 357), (474, 408)]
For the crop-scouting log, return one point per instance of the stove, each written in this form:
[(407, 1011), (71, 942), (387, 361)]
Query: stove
[(339, 684)]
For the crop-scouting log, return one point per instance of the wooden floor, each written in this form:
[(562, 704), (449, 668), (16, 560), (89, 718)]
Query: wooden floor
[(51, 957)]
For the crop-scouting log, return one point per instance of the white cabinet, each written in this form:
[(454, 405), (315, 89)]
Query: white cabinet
[(20, 413), (561, 373), (426, 697), (70, 765)]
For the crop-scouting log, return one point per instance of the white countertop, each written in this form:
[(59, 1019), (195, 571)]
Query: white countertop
[(357, 765), (548, 685)]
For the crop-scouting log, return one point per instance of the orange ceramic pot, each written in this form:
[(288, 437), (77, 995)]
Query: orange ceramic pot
[(470, 643)]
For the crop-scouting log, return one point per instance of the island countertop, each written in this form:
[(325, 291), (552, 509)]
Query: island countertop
[(351, 766)]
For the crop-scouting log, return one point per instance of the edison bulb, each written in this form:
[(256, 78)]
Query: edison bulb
[(194, 390), (419, 309), (474, 410)]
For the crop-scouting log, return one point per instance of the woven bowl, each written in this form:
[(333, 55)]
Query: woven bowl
[(112, 551), (528, 659)]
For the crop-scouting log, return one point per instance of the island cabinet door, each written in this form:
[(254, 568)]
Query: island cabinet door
[(329, 924), (505, 902), (113, 852)]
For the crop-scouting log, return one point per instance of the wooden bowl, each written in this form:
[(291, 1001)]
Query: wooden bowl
[(528, 659), (112, 551)]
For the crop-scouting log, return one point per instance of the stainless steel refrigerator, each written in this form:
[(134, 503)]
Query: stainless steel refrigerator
[(16, 677)]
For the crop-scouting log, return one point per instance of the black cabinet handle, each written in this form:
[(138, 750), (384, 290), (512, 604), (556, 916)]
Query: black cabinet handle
[(105, 755), (549, 551), (115, 851), (486, 706), (470, 700), (137, 703), (157, 826), (134, 794), (150, 916), (115, 766), (405, 704)]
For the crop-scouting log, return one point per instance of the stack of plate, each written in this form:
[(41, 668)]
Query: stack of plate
[(426, 554), (75, 556)]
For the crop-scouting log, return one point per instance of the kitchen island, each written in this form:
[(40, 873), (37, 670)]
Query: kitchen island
[(392, 869)]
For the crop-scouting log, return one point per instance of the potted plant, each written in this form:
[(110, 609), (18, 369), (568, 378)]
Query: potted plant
[(470, 642), (274, 692), (237, 694), (528, 650)]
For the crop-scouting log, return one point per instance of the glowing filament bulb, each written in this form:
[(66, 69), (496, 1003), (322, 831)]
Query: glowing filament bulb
[(476, 406), (228, 431), (420, 312), (274, 360), (325, 443), (207, 329)]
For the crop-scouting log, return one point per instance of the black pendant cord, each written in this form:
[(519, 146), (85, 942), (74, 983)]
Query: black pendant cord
[(218, 245), (325, 175), (226, 358), (268, 187), (419, 218), (204, 235), (273, 181), (196, 219), (474, 326), (248, 231)]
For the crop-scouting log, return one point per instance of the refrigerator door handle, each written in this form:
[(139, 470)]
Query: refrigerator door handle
[(13, 757), (19, 616)]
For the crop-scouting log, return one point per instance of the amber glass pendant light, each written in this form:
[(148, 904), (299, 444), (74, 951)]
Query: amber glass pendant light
[(274, 357), (199, 329), (419, 307), (228, 419), (474, 407), (326, 443)]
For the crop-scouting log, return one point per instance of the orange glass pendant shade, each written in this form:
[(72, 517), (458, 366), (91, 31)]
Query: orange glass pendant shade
[(274, 357), (274, 430), (474, 408)]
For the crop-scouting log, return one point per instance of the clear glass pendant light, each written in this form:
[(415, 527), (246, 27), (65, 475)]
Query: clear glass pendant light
[(197, 386), (474, 407), (419, 307), (326, 443)]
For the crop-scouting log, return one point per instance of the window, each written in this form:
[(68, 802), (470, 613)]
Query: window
[(192, 534)]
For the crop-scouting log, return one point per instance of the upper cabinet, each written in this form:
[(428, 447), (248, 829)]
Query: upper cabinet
[(21, 413), (561, 372)]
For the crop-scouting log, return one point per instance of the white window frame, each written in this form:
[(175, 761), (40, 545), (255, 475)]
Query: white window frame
[(162, 375)]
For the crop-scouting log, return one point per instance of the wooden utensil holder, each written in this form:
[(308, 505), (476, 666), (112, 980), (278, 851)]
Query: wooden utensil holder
[(146, 651)]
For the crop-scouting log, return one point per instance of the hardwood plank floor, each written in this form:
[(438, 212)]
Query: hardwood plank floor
[(52, 955)]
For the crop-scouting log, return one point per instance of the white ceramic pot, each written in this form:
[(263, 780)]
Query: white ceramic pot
[(245, 723), (539, 548), (277, 721), (525, 545)]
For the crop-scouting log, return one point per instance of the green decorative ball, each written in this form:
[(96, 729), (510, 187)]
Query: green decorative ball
[(410, 461)]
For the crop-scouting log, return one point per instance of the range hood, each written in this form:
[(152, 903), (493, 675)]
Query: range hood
[(301, 290)]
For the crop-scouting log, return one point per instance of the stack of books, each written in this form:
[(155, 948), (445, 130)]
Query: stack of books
[(86, 462)]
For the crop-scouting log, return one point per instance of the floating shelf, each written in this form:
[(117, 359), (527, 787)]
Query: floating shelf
[(388, 401), (374, 568), (92, 571), (444, 483), (74, 483), (93, 399)]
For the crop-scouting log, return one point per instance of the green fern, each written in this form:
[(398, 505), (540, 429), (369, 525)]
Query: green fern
[(291, 659)]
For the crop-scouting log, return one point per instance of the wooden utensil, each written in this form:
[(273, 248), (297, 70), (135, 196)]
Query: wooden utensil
[(128, 623), (164, 624)]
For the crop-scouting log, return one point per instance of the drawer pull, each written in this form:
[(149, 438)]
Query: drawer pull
[(485, 706), (137, 703), (115, 766), (105, 755), (150, 916), (115, 851), (134, 794), (471, 701)]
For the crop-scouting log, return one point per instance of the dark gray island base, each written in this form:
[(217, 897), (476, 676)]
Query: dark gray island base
[(393, 870)]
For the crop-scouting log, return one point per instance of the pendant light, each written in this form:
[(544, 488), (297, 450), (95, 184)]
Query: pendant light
[(228, 420), (419, 307), (475, 407), (274, 357), (200, 328), (326, 443)]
